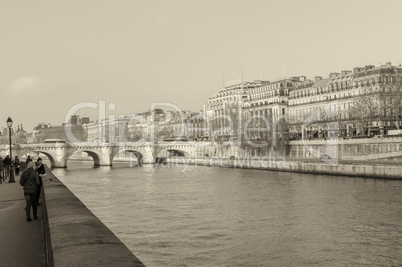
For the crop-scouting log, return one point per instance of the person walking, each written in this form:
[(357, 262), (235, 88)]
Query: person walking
[(16, 164), (1, 169), (28, 160), (7, 166), (30, 181), (40, 169)]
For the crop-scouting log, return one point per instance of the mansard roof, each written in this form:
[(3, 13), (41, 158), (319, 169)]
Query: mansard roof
[(384, 69), (342, 78), (321, 83), (304, 85)]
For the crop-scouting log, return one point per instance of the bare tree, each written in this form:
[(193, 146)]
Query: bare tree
[(295, 123), (163, 133), (364, 109), (393, 102)]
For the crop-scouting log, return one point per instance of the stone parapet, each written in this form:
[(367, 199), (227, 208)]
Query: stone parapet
[(76, 237)]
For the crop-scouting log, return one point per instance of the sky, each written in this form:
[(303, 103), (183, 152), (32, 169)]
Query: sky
[(61, 56)]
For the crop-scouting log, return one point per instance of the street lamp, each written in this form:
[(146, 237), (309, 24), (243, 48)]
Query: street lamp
[(9, 125)]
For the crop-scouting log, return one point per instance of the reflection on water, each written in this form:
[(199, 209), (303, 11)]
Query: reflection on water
[(233, 217)]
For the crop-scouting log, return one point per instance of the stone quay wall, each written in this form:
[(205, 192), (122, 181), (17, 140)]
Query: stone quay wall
[(314, 167), (74, 235), (368, 157), (389, 149), (359, 170)]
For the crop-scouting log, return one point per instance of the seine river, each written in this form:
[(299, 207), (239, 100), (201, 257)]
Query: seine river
[(211, 216)]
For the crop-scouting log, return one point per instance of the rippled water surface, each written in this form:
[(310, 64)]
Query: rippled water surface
[(232, 217)]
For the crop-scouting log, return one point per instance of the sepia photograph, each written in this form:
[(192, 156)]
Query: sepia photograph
[(200, 133)]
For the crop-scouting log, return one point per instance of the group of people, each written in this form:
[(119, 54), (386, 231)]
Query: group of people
[(7, 164), (31, 180)]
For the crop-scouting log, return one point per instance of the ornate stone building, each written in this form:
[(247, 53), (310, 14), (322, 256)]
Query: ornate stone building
[(224, 110), (266, 106), (365, 102), (196, 127)]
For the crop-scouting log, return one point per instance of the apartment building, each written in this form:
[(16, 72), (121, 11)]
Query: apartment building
[(364, 102), (225, 108)]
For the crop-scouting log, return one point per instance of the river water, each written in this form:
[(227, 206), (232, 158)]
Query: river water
[(211, 216)]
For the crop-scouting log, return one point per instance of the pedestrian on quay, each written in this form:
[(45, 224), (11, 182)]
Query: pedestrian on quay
[(1, 169), (40, 169), (30, 181), (28, 160), (7, 166), (16, 164)]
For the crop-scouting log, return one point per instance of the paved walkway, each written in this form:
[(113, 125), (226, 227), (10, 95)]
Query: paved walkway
[(22, 243)]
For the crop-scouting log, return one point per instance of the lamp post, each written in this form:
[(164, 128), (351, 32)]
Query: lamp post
[(9, 125)]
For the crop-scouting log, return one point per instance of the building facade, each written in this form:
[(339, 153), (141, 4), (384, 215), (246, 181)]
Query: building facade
[(266, 107), (224, 110), (365, 102)]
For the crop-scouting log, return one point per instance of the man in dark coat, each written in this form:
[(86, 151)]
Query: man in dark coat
[(40, 169), (30, 181), (16, 164), (28, 160), (1, 168), (7, 166)]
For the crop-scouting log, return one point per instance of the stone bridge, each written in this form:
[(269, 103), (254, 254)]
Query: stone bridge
[(103, 154)]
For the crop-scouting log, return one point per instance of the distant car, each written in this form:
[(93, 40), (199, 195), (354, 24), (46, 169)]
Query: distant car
[(54, 141), (324, 156), (180, 139)]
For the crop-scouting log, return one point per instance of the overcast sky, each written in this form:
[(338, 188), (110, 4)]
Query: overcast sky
[(56, 54)]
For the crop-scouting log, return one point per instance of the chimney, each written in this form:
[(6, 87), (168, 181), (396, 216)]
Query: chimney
[(317, 78), (358, 69), (345, 72), (298, 78), (369, 67), (333, 75)]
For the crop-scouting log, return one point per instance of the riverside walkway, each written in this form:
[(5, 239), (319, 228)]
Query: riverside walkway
[(22, 243), (66, 232)]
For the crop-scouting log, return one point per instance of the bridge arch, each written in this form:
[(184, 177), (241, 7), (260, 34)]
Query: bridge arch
[(173, 152), (48, 155), (139, 156), (33, 153), (96, 156)]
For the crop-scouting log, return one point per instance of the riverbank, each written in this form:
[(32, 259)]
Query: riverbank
[(76, 237), (327, 167), (384, 169)]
